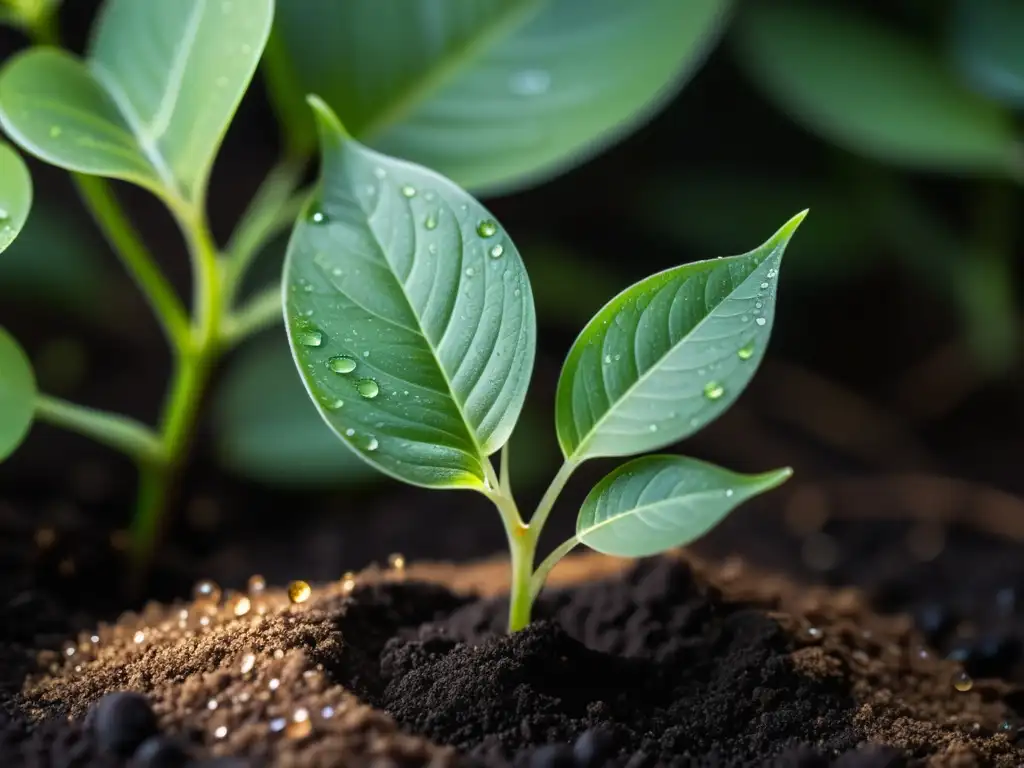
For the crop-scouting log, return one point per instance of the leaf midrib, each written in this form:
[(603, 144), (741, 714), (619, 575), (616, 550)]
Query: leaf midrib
[(448, 66)]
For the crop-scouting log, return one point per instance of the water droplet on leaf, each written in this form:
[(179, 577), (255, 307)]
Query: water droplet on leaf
[(408, 190), (430, 222), (760, 321), (713, 390), (342, 364), (299, 591), (497, 251), (746, 351), (310, 337), (372, 444), (487, 228), (368, 388)]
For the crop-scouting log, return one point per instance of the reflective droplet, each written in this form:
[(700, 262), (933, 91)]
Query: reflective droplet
[(274, 684), (396, 561), (300, 727), (277, 724), (140, 636), (379, 172), (652, 427), (299, 591), (257, 584), (316, 216), (430, 222), (962, 682), (221, 732), (248, 662), (470, 271), (408, 190), (372, 444), (342, 364), (206, 591), (713, 390), (348, 582), (487, 228), (212, 705), (327, 712), (760, 321), (350, 432), (729, 492), (368, 388), (239, 604), (333, 405), (771, 274), (497, 251), (746, 351), (764, 285), (309, 337), (607, 359)]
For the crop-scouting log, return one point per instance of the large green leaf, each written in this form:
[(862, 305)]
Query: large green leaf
[(17, 394), (988, 44), (153, 99), (15, 195), (669, 354), (267, 430), (870, 91), (492, 93), (409, 313), (655, 503)]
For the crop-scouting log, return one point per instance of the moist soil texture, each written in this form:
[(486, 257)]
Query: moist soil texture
[(670, 661)]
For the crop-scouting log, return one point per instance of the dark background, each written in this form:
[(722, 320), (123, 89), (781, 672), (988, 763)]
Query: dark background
[(878, 386)]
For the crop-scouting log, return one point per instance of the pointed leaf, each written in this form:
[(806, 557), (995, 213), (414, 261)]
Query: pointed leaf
[(268, 431), (153, 99), (987, 45), (492, 93), (17, 394), (669, 354), (656, 503), (15, 195), (410, 315), (898, 104)]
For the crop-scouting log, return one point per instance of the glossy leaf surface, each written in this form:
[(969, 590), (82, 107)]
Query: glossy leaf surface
[(153, 99), (988, 44), (410, 315), (268, 431), (899, 103), (17, 394), (15, 195), (668, 354), (492, 93), (655, 503)]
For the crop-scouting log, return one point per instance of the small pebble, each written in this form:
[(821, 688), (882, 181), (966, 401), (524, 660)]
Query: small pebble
[(553, 756), (121, 721), (593, 747), (160, 752)]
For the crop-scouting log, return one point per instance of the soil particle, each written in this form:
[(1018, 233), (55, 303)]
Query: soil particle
[(669, 662)]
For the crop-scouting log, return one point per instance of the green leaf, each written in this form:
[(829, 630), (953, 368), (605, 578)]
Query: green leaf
[(17, 394), (987, 45), (870, 91), (492, 93), (656, 503), (15, 195), (410, 315), (669, 354), (268, 431), (151, 102)]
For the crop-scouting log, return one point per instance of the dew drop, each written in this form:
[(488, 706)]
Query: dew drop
[(348, 582), (652, 427), (140, 637), (713, 390), (350, 432), (277, 724), (257, 584), (221, 732), (764, 285), (962, 682), (487, 228), (760, 321), (248, 662), (497, 251), (206, 591), (316, 216), (607, 359), (396, 561), (771, 274), (368, 388), (470, 271), (299, 591), (342, 364), (333, 405), (379, 172), (746, 351), (239, 604), (758, 304), (408, 190), (372, 444), (430, 222), (310, 337)]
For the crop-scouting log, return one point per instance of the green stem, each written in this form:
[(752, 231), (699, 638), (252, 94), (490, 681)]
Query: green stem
[(547, 501), (191, 373), (125, 241), (541, 574), (260, 312), (274, 207), (113, 430), (520, 605)]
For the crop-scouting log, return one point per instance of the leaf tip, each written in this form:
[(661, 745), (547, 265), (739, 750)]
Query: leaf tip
[(775, 478), (327, 121)]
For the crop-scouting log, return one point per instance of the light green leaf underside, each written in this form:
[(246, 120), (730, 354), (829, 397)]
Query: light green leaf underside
[(17, 394), (492, 93), (655, 503), (988, 45), (15, 195), (268, 431), (669, 354), (153, 99), (388, 271), (898, 104)]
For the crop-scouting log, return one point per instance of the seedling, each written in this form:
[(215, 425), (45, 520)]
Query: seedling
[(407, 306), (412, 322)]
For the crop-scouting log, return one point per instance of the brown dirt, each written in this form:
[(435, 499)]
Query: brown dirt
[(678, 659)]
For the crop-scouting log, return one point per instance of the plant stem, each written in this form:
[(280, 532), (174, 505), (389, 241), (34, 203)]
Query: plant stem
[(541, 574), (192, 367), (125, 241), (113, 430), (520, 599), (260, 312), (547, 501)]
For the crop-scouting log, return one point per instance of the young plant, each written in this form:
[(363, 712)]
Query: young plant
[(412, 322)]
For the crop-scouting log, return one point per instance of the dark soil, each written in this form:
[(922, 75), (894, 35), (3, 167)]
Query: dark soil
[(666, 663)]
